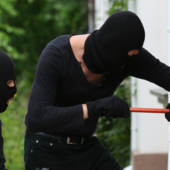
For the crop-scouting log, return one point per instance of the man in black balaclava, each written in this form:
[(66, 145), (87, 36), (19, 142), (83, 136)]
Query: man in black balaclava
[(7, 91), (74, 84)]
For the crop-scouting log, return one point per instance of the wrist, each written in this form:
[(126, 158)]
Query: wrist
[(85, 111), (93, 113)]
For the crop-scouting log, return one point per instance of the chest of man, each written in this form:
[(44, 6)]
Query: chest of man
[(77, 88)]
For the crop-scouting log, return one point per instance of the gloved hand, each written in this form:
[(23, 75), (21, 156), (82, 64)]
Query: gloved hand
[(109, 107), (167, 115)]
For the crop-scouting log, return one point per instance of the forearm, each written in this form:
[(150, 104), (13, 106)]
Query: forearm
[(49, 118)]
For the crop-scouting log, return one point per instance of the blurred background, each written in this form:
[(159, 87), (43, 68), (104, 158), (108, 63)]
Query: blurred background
[(26, 26)]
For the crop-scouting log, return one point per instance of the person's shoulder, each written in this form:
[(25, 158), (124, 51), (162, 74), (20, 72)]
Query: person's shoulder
[(60, 41), (58, 45), (144, 55), (143, 52), (55, 51)]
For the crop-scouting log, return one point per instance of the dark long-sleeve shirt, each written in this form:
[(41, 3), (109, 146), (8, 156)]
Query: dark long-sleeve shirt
[(2, 159), (60, 87)]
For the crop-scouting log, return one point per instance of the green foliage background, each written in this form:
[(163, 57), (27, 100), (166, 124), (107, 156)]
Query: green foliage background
[(26, 26)]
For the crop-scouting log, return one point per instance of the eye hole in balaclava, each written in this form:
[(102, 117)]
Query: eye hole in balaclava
[(6, 73), (129, 60), (11, 83)]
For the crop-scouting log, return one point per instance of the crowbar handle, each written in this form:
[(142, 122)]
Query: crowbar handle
[(146, 110)]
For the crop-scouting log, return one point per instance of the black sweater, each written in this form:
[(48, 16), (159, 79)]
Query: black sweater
[(60, 87), (2, 159)]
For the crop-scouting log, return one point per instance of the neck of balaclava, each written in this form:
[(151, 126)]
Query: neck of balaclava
[(91, 58)]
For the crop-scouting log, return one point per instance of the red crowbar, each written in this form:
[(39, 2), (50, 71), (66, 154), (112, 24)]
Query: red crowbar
[(146, 110)]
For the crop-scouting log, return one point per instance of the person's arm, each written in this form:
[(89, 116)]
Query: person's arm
[(2, 159), (42, 114), (149, 68)]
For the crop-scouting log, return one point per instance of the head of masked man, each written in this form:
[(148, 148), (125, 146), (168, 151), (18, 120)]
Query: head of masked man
[(107, 49), (7, 81)]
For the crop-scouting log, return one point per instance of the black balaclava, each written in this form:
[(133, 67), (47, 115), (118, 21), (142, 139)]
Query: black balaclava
[(107, 49), (6, 73)]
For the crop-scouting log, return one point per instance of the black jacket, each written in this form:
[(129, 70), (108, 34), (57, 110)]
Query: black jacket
[(2, 159)]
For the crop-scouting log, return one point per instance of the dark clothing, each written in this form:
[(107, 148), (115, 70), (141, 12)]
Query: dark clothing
[(60, 87), (55, 106), (6, 73), (51, 154), (2, 159)]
